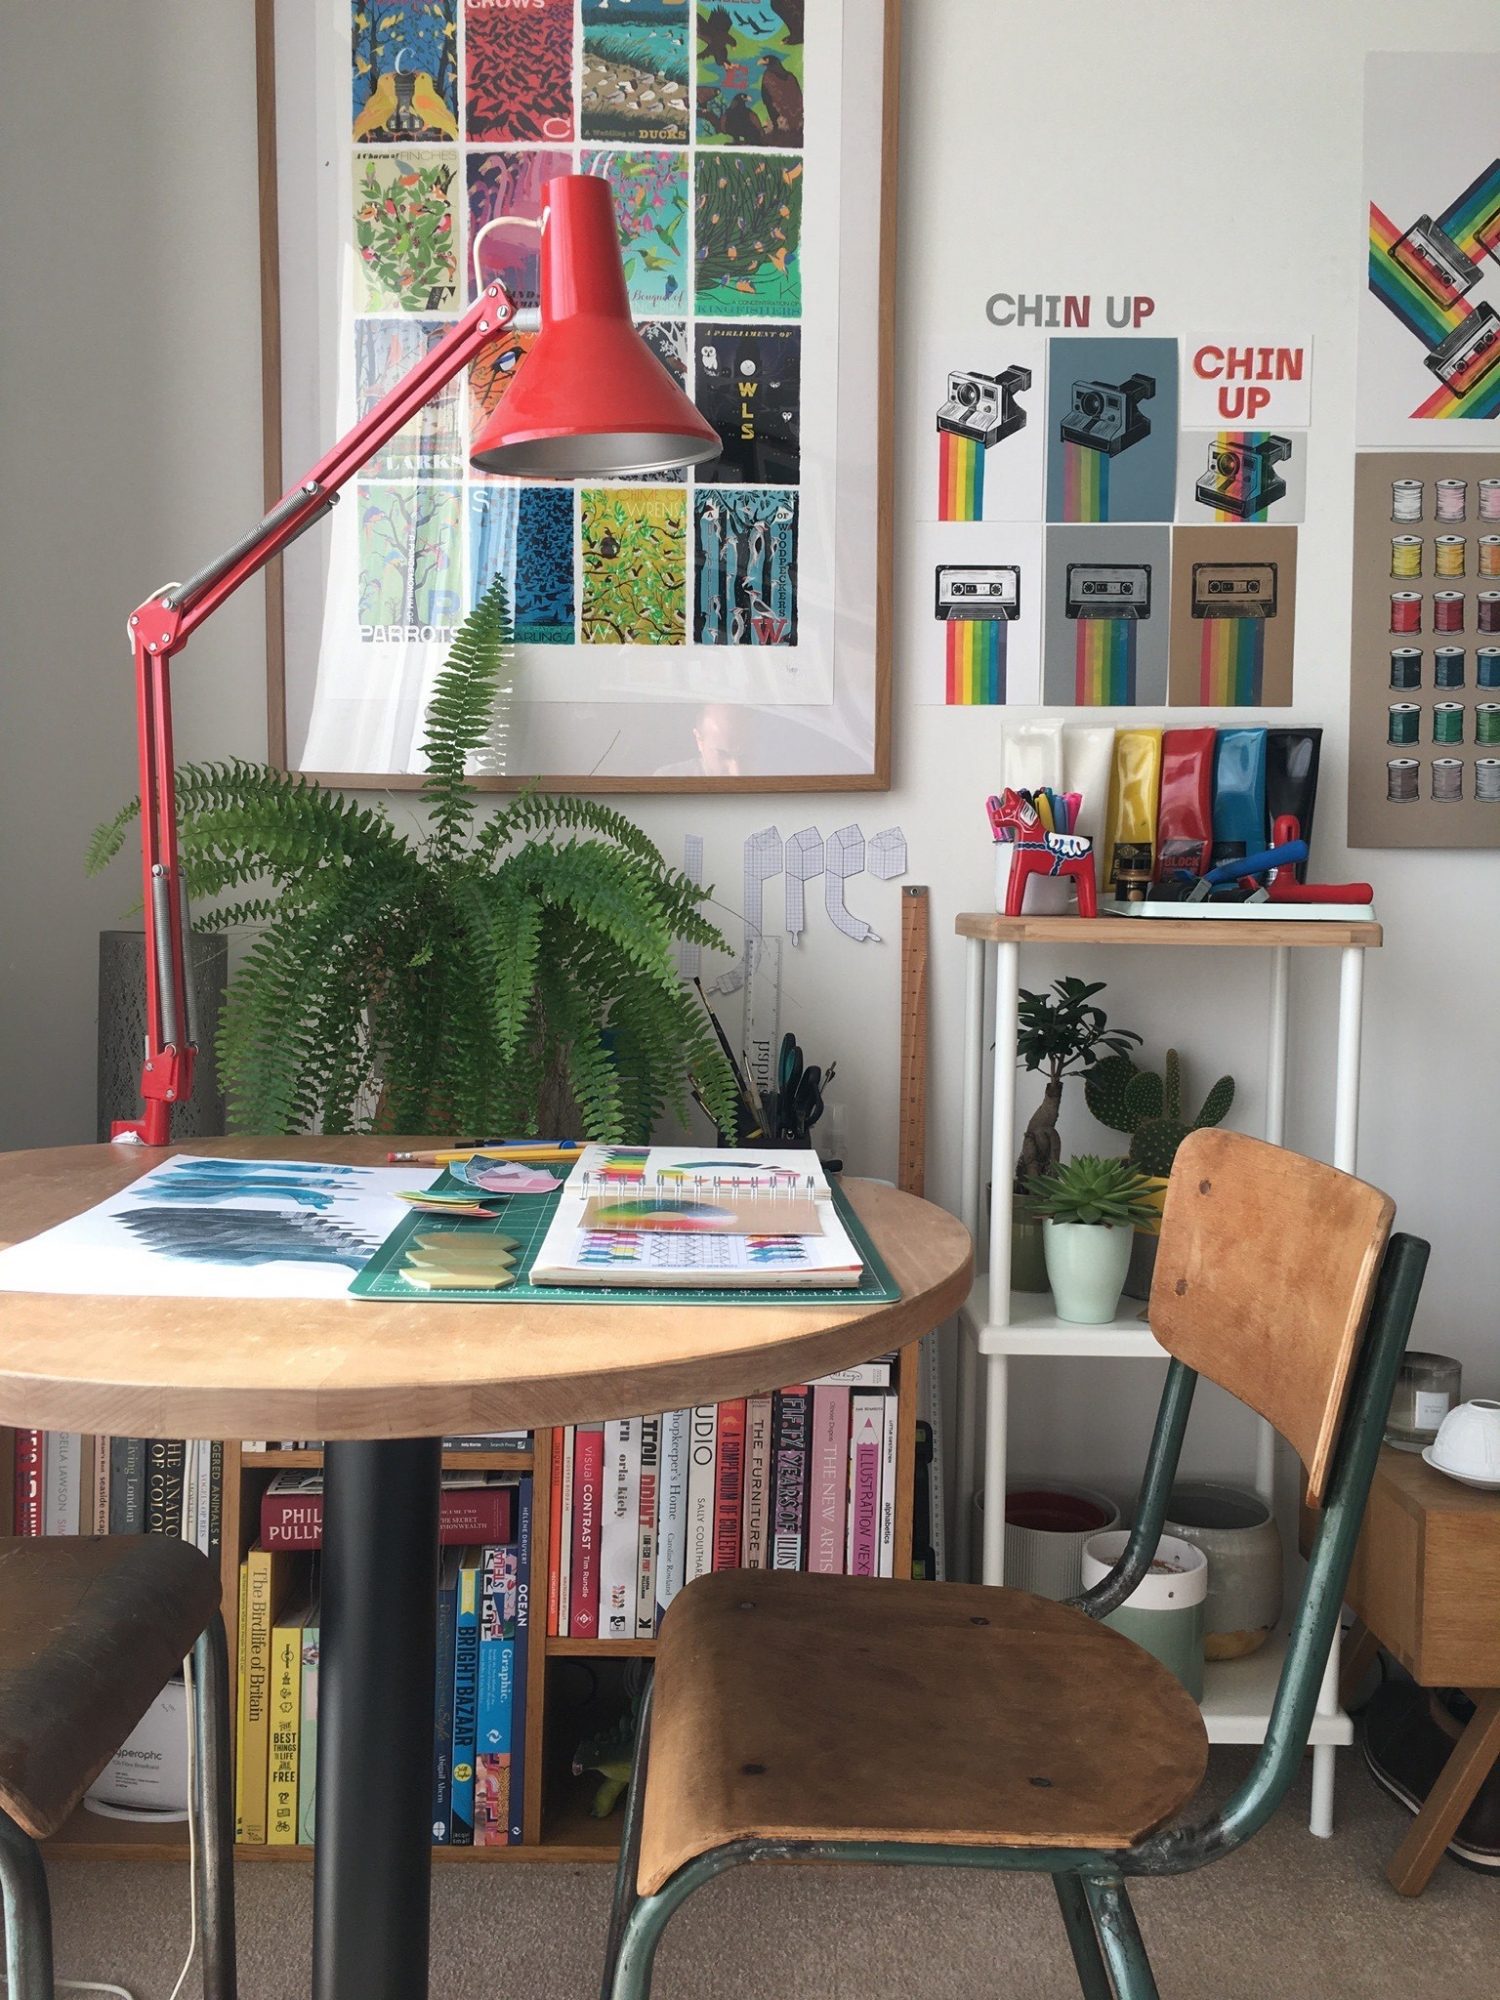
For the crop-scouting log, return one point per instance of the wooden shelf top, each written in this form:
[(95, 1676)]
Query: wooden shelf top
[(1249, 934)]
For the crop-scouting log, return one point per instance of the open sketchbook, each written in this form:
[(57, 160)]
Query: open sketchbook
[(695, 1216)]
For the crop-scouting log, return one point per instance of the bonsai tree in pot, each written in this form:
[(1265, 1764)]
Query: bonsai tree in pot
[(1089, 1209), (479, 976)]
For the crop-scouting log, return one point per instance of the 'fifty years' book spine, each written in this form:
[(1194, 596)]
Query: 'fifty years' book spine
[(790, 1430)]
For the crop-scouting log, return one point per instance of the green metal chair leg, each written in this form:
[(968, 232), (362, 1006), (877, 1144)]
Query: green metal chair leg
[(28, 1914), (625, 1896), (1093, 1979), (1119, 1939)]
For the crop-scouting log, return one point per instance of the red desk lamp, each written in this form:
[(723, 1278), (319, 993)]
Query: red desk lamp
[(590, 399)]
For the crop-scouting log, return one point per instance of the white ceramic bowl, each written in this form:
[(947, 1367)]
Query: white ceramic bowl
[(1468, 1440)]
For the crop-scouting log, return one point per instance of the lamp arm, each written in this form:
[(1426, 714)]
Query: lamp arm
[(160, 628)]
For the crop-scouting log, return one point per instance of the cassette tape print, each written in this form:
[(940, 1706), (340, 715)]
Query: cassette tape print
[(1105, 643), (974, 625), (1233, 612)]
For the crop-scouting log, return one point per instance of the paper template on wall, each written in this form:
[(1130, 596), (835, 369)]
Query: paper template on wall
[(1232, 476), (762, 863), (1429, 337), (1111, 429), (974, 617), (982, 404), (1424, 671), (843, 859), (1234, 594), (1108, 608)]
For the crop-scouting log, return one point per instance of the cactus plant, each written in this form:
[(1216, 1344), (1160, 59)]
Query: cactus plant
[(1149, 1108)]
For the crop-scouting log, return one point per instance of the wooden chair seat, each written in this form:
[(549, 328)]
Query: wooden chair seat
[(799, 1707), (91, 1630)]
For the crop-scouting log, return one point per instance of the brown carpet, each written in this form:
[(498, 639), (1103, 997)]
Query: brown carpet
[(1289, 1918)]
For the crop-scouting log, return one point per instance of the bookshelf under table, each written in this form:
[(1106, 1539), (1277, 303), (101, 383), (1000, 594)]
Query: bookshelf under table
[(997, 1325), (365, 1370)]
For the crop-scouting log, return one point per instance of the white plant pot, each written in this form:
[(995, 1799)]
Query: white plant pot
[(1086, 1266)]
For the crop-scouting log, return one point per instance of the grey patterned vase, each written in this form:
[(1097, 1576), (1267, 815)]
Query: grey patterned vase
[(122, 1032)]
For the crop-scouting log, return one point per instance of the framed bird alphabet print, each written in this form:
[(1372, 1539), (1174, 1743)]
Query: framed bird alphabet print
[(720, 628)]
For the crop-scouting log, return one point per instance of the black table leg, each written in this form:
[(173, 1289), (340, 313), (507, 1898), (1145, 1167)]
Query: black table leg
[(378, 1641)]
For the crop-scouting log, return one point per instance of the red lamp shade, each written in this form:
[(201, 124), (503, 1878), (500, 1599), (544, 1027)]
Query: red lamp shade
[(590, 399)]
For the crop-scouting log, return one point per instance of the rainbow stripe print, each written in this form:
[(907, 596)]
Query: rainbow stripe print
[(1394, 280), (960, 478), (1231, 662), (976, 662), (1104, 663), (1085, 484)]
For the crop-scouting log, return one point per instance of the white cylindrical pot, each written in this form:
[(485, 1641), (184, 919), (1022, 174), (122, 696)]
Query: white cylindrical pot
[(1238, 1535), (1164, 1613), (1047, 1522), (1086, 1266)]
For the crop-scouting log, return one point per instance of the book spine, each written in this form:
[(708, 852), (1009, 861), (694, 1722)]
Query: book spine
[(255, 1735), (588, 1475), (127, 1486), (165, 1463), (620, 1542), (864, 1375), (465, 1701), (864, 1483), (213, 1519), (241, 1685), (671, 1509), (565, 1537), (524, 1506), (790, 1426), (30, 1461), (442, 1716), (63, 1483), (554, 1534), (753, 1543), (829, 1484), (645, 1547), (885, 1554), (729, 1484), (703, 1440), (99, 1487), (495, 1714), (286, 1706), (189, 1522), (468, 1517), (307, 1741)]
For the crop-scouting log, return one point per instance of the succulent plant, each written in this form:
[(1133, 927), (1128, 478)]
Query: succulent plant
[(1110, 1194), (1149, 1108)]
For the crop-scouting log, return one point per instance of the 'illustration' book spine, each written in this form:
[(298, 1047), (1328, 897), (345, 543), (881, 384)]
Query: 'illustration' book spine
[(885, 1554), (565, 1538), (307, 1743), (62, 1485), (524, 1505), (671, 1509), (645, 1548), (554, 1535), (442, 1718), (757, 1512), (99, 1523), (31, 1454), (165, 1460), (255, 1723), (588, 1475), (620, 1541), (790, 1426), (495, 1717), (127, 1486), (729, 1484), (865, 1426), (703, 1442), (286, 1710), (829, 1484), (465, 1699)]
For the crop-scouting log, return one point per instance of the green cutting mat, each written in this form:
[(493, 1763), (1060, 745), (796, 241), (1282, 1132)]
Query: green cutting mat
[(526, 1217)]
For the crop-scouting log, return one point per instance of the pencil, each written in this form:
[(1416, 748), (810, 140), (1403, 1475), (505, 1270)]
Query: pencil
[(565, 1149)]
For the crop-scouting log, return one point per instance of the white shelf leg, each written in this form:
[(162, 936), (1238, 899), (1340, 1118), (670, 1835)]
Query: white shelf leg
[(966, 1416), (1276, 1054), (1320, 1820), (1346, 1085), (997, 1387), (966, 1400)]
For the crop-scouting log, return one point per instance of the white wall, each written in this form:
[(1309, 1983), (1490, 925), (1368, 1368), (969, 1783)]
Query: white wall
[(1208, 155)]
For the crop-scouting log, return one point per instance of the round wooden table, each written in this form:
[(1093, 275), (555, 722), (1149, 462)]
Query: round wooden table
[(383, 1383)]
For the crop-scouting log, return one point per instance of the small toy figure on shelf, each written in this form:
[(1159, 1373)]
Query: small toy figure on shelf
[(1035, 828)]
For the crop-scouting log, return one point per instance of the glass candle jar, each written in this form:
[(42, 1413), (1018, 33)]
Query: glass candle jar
[(1427, 1388)]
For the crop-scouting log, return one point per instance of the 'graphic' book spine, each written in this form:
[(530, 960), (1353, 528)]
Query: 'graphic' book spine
[(525, 1500), (729, 1484), (671, 1509), (645, 1554), (703, 1436), (757, 1511), (495, 1722), (789, 1488), (829, 1484)]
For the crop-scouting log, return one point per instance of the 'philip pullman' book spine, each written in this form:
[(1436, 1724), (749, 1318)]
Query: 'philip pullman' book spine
[(165, 1462)]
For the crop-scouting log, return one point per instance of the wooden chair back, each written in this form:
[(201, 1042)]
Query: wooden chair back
[(1264, 1277)]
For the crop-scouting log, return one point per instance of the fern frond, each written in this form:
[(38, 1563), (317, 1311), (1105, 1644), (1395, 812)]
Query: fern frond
[(460, 715)]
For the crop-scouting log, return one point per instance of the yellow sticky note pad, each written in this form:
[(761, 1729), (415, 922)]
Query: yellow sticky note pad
[(457, 1281)]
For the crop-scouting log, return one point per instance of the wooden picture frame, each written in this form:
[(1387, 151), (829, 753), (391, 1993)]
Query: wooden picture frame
[(695, 737)]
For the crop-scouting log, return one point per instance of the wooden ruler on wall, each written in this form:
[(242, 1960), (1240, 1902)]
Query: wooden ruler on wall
[(911, 1171)]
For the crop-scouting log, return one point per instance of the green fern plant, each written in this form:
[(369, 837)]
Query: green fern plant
[(471, 979)]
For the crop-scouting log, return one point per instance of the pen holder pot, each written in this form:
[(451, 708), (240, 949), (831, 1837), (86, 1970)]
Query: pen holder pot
[(1046, 895), (1164, 1613)]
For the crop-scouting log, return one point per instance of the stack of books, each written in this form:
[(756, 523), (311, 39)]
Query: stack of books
[(69, 1484), (479, 1719), (804, 1478)]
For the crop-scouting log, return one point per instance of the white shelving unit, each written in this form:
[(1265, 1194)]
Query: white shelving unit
[(1237, 1694)]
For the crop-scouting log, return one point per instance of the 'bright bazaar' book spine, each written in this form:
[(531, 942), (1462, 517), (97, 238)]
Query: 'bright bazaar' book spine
[(829, 1483), (588, 1478), (255, 1735), (127, 1486), (99, 1510), (620, 1539), (465, 1700), (671, 1509), (729, 1484), (885, 1555), (554, 1534), (307, 1745), (525, 1500), (165, 1458), (864, 1483), (442, 1717), (286, 1708), (468, 1517), (31, 1453), (565, 1539), (645, 1552), (62, 1484), (703, 1441), (495, 1718), (789, 1477), (757, 1510)]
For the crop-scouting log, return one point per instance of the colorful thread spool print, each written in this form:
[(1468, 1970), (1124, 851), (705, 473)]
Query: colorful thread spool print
[(1406, 666), (1487, 666), (1488, 612), (1448, 667), (1406, 611), (1406, 555), (1487, 779), (1448, 610), (1401, 780), (1448, 722), (1487, 722), (1447, 780), (1406, 499), (1489, 499), (1450, 555), (1489, 555), (1452, 499), (1405, 719)]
